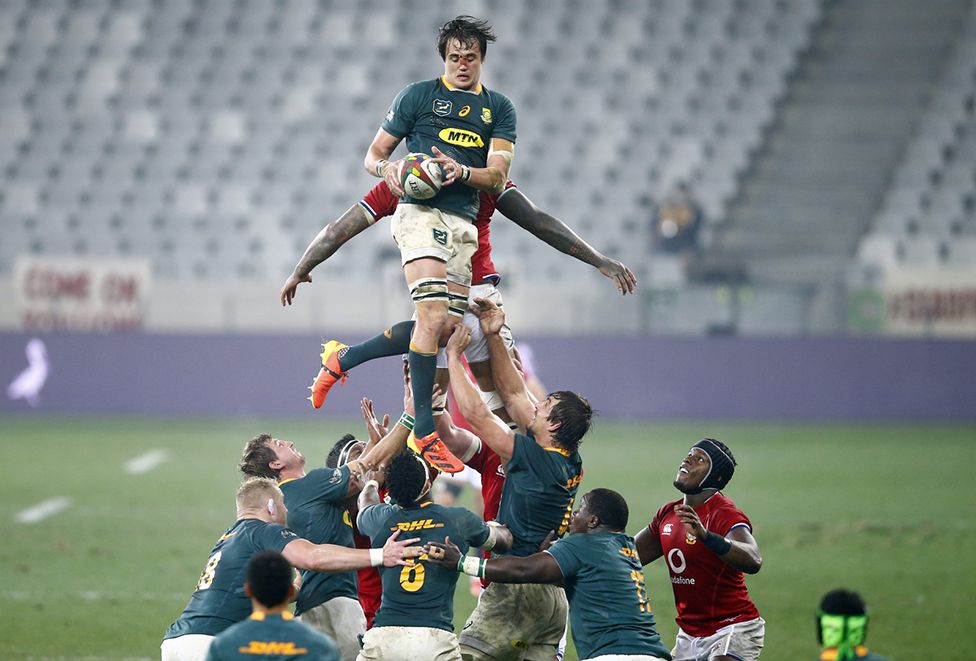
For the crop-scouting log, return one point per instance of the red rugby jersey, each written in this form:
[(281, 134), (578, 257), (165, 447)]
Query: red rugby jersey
[(708, 593), (380, 203)]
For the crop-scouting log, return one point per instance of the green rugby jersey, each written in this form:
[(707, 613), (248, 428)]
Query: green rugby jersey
[(420, 595), (273, 637), (219, 600), (540, 488), (608, 608), (317, 512), (460, 123)]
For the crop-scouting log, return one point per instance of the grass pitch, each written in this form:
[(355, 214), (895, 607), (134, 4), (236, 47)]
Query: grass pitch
[(883, 509)]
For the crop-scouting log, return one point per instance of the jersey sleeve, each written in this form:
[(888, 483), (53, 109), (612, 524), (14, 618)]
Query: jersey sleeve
[(728, 518), (275, 537), (370, 520), (521, 453), (505, 119), (379, 202), (330, 485), (566, 554), (472, 528), (403, 112)]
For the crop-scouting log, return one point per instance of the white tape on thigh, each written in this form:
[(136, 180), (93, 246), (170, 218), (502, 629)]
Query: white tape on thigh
[(457, 304), (427, 290)]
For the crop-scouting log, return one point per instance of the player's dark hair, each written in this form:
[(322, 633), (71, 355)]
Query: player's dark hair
[(575, 417), (257, 455), (341, 446), (608, 506), (269, 575), (843, 602), (466, 30), (405, 478)]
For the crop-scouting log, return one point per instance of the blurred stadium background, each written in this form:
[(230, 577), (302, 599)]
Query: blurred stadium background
[(163, 165)]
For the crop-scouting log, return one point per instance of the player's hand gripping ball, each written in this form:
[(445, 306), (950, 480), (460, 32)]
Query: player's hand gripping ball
[(420, 177)]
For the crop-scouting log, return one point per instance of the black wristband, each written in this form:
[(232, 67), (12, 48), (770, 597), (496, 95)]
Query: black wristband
[(717, 544)]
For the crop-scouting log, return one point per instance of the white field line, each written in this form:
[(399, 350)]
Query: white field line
[(43, 510), (145, 462)]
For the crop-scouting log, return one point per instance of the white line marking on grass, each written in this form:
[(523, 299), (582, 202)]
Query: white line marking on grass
[(146, 462), (43, 510)]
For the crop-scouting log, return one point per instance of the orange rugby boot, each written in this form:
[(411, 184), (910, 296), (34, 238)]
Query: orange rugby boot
[(435, 453), (329, 374)]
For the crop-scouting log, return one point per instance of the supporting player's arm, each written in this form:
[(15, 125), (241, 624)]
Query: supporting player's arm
[(489, 427), (332, 558), (323, 246), (737, 548), (648, 546), (518, 208), (536, 568), (507, 379), (377, 163), (490, 178)]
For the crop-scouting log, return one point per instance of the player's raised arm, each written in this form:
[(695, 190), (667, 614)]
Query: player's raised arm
[(648, 546), (332, 558), (323, 246), (377, 161), (508, 381), (738, 548), (490, 178), (489, 427), (518, 208), (536, 568)]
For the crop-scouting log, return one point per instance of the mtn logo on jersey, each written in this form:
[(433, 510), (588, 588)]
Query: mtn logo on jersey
[(461, 137), (422, 524)]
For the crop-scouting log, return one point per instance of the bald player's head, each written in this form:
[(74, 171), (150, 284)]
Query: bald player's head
[(260, 495)]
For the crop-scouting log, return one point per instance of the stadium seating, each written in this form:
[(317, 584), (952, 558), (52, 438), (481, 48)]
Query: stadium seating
[(928, 216), (217, 137)]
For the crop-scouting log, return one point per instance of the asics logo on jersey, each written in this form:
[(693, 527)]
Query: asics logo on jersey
[(261, 647), (461, 138), (422, 524), (463, 112)]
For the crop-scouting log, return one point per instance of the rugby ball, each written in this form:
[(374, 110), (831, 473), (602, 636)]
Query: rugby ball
[(420, 177)]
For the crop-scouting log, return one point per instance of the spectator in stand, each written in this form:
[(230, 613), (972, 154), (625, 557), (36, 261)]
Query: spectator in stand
[(677, 225)]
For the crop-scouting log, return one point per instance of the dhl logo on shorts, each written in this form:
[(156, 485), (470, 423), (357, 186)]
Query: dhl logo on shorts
[(422, 524), (461, 137), (272, 647)]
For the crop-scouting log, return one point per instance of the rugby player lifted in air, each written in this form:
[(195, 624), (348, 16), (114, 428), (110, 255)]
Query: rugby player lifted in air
[(513, 204), (707, 542), (471, 131)]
